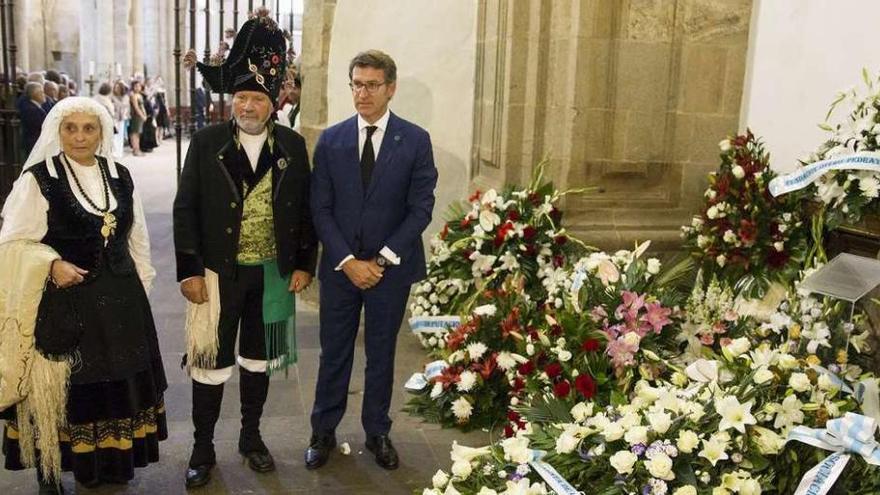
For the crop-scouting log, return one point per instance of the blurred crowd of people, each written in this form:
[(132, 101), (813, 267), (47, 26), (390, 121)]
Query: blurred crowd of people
[(138, 106)]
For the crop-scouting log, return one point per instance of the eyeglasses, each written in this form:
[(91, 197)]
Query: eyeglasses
[(371, 86)]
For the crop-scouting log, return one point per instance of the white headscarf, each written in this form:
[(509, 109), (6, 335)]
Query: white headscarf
[(49, 143)]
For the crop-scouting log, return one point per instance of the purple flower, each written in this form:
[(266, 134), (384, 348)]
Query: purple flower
[(646, 490), (638, 449)]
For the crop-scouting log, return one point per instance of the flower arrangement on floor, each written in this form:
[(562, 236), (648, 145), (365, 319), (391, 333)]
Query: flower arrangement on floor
[(742, 232), (717, 426), (493, 236)]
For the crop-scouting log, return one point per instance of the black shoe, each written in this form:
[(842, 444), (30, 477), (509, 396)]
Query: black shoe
[(319, 450), (48, 487), (261, 462), (198, 476), (386, 455)]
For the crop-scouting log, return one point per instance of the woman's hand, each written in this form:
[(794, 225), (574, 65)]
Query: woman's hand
[(65, 274)]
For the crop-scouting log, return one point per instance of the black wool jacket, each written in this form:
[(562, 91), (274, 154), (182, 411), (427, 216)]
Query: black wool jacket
[(208, 205)]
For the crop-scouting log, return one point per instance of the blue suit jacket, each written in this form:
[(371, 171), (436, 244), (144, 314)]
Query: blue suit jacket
[(393, 212)]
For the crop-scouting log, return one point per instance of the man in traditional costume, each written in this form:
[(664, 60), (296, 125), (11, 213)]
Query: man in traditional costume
[(79, 357), (244, 241)]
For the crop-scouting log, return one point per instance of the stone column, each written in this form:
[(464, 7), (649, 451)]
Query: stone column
[(631, 97), (318, 15), (21, 16), (104, 34), (136, 28)]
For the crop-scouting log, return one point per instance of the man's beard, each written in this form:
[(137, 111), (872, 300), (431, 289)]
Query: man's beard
[(250, 125)]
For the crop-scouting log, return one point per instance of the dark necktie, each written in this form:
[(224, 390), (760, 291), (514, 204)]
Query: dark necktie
[(368, 158)]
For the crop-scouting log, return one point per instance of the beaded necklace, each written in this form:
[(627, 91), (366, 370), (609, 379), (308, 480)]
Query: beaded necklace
[(109, 227)]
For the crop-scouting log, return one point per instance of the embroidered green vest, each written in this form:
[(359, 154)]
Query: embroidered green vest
[(257, 241)]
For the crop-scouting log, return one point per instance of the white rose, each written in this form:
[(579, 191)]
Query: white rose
[(487, 491), (623, 461), (800, 382), (750, 487), (660, 421), (440, 479), (686, 490), (725, 146), (660, 466), (461, 469), (779, 246), (566, 442), (721, 260), (687, 441), (729, 237), (653, 266), (581, 411), (787, 361), (637, 434), (632, 339), (467, 380), (712, 212), (564, 355), (826, 383), (738, 172), (530, 349), (738, 346), (613, 431), (763, 375), (516, 449)]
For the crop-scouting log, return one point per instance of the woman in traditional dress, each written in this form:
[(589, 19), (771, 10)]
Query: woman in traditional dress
[(93, 313)]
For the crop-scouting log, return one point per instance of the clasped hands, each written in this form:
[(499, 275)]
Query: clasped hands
[(195, 290), (65, 274), (363, 274)]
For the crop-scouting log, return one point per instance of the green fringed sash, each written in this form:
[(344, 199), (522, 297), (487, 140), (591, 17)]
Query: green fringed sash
[(279, 319)]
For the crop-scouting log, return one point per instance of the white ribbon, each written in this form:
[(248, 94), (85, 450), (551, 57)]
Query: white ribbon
[(557, 483), (418, 381), (801, 178), (852, 434), (419, 324)]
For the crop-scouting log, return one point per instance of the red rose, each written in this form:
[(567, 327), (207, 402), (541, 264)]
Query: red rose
[(513, 215), (526, 368), (558, 261), (529, 233), (591, 345), (556, 215), (561, 239), (562, 389), (508, 431), (275, 59), (518, 384), (585, 385), (501, 235), (513, 416), (475, 196), (553, 370)]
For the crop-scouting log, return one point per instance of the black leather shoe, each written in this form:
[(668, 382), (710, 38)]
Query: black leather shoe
[(319, 450), (386, 455), (261, 462), (51, 489), (198, 476)]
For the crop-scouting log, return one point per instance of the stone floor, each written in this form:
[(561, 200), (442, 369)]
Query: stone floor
[(422, 447)]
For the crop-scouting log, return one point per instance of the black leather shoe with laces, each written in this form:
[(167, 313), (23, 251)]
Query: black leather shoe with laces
[(386, 454), (319, 450)]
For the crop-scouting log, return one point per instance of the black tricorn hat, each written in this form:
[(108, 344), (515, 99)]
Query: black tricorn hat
[(256, 62)]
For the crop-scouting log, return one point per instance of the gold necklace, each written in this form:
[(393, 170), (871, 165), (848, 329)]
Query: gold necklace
[(109, 227)]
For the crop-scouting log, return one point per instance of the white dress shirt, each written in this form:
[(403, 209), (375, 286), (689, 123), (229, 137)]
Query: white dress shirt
[(376, 139), (25, 214), (253, 145)]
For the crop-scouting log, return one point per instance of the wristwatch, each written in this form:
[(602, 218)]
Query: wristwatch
[(383, 261)]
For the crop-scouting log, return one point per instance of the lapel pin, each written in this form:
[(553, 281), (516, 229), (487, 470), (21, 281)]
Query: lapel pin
[(282, 164), (397, 137)]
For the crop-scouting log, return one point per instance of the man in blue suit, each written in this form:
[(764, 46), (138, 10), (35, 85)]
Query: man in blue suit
[(372, 196)]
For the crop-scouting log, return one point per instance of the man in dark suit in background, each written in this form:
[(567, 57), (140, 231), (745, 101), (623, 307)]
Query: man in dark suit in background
[(372, 197), (32, 115)]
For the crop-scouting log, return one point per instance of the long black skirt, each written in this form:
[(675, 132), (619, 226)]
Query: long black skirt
[(115, 407)]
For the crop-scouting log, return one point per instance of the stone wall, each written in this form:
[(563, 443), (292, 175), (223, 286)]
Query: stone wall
[(629, 96)]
